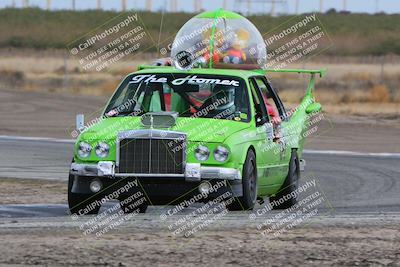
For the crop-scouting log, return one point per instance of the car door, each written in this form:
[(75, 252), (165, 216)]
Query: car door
[(268, 150), (278, 117), (282, 123)]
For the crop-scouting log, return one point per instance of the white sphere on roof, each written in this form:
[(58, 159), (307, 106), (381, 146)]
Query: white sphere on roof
[(218, 39)]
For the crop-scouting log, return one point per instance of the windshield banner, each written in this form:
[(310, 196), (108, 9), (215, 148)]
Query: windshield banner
[(188, 79)]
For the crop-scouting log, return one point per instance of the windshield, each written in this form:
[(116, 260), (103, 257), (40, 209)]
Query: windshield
[(205, 96)]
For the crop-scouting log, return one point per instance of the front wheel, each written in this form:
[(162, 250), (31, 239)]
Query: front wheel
[(290, 185), (249, 183)]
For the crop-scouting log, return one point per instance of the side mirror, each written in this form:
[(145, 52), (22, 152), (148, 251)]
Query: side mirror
[(313, 108), (80, 121)]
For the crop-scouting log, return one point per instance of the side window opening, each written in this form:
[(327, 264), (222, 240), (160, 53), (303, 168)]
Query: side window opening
[(272, 102), (270, 105), (261, 113)]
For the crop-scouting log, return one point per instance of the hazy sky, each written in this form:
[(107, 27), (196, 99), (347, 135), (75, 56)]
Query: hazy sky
[(370, 6)]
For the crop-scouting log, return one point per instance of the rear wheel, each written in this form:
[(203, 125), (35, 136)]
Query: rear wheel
[(249, 183), (81, 204), (291, 184)]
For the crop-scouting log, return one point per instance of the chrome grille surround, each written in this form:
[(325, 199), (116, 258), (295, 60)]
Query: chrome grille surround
[(155, 137)]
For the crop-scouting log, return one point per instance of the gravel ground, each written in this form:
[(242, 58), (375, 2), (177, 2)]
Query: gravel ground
[(29, 191), (311, 246)]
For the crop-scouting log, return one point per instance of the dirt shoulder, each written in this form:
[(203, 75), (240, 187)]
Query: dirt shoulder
[(30, 191), (311, 246)]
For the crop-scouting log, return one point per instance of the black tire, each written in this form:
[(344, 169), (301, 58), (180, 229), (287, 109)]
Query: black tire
[(79, 202), (249, 183), (127, 209), (291, 184)]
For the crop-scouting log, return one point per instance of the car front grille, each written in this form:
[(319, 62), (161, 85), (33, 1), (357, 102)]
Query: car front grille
[(152, 155)]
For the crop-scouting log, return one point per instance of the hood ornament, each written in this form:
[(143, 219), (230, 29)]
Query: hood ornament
[(162, 119)]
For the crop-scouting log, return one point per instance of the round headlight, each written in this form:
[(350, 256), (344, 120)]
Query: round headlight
[(84, 149), (95, 186), (205, 187), (202, 153), (102, 150), (221, 154)]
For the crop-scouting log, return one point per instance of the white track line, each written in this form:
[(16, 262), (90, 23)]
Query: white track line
[(40, 139), (306, 151), (350, 153)]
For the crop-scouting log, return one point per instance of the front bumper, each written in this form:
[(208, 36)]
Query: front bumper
[(160, 188), (194, 172)]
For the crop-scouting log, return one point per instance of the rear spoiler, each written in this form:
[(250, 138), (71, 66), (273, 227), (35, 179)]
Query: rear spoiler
[(311, 82), (321, 72), (165, 62)]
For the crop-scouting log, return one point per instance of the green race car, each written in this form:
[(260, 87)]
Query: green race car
[(208, 125), (171, 134)]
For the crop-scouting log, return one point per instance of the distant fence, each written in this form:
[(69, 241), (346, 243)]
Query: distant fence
[(272, 7)]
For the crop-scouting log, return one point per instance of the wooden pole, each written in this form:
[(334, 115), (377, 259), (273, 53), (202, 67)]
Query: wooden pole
[(344, 5), (73, 5), (98, 4), (321, 6), (248, 7), (123, 5), (148, 5), (272, 8), (174, 6), (297, 7), (48, 4)]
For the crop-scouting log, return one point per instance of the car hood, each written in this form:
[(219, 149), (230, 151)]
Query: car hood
[(197, 129)]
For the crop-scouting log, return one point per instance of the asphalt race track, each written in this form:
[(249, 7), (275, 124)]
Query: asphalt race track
[(356, 187)]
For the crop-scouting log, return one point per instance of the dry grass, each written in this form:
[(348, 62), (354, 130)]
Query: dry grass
[(109, 86), (19, 191), (348, 88), (389, 110), (396, 97), (358, 76), (379, 93), (376, 94)]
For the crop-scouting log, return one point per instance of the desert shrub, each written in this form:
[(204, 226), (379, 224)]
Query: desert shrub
[(379, 93), (12, 77)]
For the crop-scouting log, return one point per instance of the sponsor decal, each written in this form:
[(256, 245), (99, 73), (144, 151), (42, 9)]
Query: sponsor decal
[(188, 79)]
